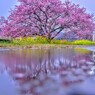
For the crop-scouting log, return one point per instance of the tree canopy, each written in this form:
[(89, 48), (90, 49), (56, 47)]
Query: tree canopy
[(47, 18)]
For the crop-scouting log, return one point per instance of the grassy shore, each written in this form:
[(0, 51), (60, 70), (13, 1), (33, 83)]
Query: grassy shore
[(41, 46), (40, 42)]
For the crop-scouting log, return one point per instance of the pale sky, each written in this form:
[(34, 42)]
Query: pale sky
[(6, 5), (88, 4)]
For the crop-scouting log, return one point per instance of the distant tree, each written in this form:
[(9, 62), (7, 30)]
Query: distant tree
[(47, 18), (2, 23)]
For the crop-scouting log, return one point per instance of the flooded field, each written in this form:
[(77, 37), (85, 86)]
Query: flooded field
[(63, 71)]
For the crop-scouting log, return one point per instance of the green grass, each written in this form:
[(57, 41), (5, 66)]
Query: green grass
[(41, 40), (38, 40)]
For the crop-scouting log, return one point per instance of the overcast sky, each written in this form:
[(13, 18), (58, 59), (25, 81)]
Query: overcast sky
[(6, 5)]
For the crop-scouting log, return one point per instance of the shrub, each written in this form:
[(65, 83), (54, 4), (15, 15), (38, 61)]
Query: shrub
[(65, 42), (30, 40), (83, 42), (41, 40)]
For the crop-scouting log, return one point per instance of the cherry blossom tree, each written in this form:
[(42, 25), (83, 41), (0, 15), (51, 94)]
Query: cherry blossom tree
[(47, 18)]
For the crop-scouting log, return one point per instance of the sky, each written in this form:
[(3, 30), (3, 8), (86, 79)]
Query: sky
[(88, 4), (6, 5)]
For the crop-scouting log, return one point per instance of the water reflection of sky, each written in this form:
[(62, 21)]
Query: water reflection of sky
[(47, 72)]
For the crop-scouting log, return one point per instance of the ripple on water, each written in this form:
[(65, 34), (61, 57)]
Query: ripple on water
[(4, 49)]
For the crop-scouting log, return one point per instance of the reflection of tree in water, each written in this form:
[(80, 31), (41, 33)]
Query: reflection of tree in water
[(52, 71)]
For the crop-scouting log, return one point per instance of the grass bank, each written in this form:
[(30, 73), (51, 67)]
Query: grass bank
[(40, 42)]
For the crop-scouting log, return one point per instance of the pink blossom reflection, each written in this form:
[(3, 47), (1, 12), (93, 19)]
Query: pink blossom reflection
[(50, 71)]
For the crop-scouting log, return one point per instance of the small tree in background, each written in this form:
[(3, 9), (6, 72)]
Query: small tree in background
[(2, 23), (47, 18)]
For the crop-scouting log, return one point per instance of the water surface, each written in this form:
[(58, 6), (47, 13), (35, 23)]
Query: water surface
[(63, 71)]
